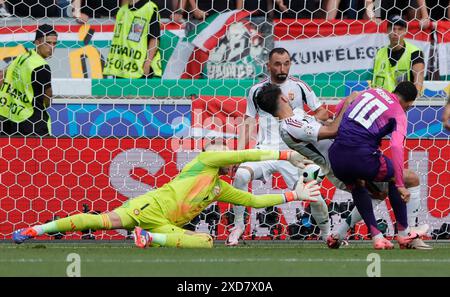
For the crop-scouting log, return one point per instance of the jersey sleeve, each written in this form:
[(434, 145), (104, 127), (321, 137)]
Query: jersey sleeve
[(306, 130), (339, 106), (397, 148), (251, 99), (225, 158), (234, 196), (310, 97)]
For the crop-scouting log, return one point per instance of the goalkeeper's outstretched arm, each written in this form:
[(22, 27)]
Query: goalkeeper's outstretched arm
[(229, 194), (227, 158)]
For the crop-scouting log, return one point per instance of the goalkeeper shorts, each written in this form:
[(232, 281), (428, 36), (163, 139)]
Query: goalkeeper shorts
[(145, 211)]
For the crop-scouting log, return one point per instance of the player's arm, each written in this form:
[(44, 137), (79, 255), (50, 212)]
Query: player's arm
[(153, 36), (227, 158), (397, 148), (229, 194), (42, 86), (320, 112), (418, 68), (330, 130)]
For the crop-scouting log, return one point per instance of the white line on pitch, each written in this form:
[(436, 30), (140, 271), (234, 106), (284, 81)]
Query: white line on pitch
[(228, 260)]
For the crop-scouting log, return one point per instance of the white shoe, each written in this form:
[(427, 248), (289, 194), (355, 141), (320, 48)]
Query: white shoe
[(418, 244), (235, 234), (422, 229), (414, 234)]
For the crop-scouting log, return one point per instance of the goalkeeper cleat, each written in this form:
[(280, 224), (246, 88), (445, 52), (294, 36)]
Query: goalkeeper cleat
[(142, 238), (233, 237), (333, 241), (19, 236), (382, 244)]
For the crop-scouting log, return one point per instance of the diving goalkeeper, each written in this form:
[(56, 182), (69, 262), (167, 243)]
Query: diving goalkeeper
[(158, 216)]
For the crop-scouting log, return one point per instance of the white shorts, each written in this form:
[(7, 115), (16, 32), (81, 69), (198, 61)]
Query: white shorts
[(263, 171)]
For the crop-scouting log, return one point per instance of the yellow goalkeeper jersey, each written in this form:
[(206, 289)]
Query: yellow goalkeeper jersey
[(198, 185)]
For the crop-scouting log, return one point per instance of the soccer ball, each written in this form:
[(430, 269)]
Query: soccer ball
[(312, 172)]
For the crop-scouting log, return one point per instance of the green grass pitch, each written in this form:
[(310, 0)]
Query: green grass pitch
[(255, 259)]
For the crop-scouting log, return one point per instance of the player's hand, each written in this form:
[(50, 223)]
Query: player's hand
[(298, 160), (147, 67), (309, 191), (404, 193)]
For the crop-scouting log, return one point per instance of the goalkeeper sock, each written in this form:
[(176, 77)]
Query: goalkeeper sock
[(413, 205), (78, 222), (319, 211)]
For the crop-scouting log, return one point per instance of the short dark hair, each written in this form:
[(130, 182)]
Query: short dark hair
[(396, 20), (278, 50), (45, 30), (407, 90), (267, 98)]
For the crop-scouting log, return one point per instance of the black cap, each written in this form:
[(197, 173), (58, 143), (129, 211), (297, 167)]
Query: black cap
[(397, 21), (45, 30)]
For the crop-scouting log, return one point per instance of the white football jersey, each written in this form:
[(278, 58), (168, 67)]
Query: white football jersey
[(297, 91), (300, 132)]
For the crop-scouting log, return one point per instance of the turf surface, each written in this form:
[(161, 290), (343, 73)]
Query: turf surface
[(256, 259)]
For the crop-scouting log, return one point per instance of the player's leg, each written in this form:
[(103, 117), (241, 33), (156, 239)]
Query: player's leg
[(319, 209), (246, 173), (412, 183), (405, 235), (353, 168), (171, 236), (78, 222)]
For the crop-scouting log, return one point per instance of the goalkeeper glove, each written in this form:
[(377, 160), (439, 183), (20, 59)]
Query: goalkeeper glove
[(304, 192), (295, 158)]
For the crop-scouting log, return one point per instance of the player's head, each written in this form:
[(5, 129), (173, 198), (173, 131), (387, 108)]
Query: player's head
[(45, 40), (407, 93), (271, 100), (396, 28), (279, 64)]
